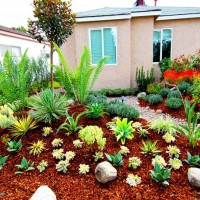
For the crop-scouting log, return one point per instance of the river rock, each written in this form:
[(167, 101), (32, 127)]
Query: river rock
[(105, 172), (43, 193), (194, 176)]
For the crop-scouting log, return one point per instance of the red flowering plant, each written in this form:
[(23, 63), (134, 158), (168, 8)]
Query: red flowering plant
[(181, 63), (5, 138)]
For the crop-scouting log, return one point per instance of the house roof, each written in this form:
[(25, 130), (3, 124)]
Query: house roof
[(10, 30), (163, 12)]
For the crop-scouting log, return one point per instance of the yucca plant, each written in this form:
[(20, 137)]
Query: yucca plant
[(22, 126), (80, 82), (47, 106), (14, 79), (71, 123)]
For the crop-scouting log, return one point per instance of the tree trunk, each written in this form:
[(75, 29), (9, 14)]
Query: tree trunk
[(51, 64)]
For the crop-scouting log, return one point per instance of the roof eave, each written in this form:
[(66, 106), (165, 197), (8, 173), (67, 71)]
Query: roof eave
[(173, 17)]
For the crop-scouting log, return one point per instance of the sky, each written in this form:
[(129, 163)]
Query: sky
[(15, 13)]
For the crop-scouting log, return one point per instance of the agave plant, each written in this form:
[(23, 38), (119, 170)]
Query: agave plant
[(80, 82), (150, 148), (22, 126), (47, 106), (123, 130)]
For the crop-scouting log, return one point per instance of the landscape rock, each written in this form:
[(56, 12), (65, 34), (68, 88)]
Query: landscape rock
[(70, 102), (141, 94), (158, 111), (105, 172), (43, 193), (194, 176)]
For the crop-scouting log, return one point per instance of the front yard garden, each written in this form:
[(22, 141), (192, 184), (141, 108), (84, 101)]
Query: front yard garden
[(49, 139)]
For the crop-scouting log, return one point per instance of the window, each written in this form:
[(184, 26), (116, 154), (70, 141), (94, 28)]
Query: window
[(162, 42), (15, 50), (103, 43)]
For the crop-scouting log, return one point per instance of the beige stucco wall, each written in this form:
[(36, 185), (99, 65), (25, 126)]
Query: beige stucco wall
[(141, 44), (134, 46), (185, 38), (113, 76)]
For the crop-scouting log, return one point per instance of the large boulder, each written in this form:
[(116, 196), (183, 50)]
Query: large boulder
[(105, 172), (194, 176), (43, 193)]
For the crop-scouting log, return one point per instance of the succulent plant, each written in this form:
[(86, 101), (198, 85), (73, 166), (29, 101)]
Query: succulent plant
[(159, 160), (133, 180), (58, 153), (42, 165), (134, 162), (78, 144), (37, 147), (175, 163), (168, 138), (47, 131), (124, 150), (57, 142), (62, 166), (98, 156), (83, 168), (70, 155)]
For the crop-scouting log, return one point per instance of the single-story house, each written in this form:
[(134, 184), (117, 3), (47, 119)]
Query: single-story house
[(133, 37), (17, 42)]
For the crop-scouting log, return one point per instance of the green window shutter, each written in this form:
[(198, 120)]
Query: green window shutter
[(109, 35), (96, 45)]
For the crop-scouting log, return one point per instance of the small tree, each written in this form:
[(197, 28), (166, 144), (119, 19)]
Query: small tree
[(54, 21)]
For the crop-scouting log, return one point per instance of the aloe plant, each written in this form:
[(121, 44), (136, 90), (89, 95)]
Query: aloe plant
[(24, 166), (71, 123), (14, 146), (116, 159), (3, 161)]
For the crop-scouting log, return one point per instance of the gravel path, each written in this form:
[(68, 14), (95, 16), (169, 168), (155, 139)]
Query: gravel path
[(147, 113)]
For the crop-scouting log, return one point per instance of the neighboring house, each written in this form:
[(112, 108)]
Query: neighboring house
[(133, 37), (17, 42)]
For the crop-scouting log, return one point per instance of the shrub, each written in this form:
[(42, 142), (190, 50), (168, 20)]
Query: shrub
[(153, 88), (155, 99), (95, 111), (165, 64), (122, 110), (164, 92), (173, 103), (91, 135), (174, 94), (47, 106), (184, 87), (98, 98), (143, 79)]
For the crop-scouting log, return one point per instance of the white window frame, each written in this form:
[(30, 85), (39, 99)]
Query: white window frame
[(101, 29), (161, 35)]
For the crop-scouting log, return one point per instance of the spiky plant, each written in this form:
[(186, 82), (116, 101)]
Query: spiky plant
[(37, 147), (22, 126), (14, 79), (80, 82), (47, 106)]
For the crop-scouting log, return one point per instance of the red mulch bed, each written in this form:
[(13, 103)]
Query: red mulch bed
[(72, 185)]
